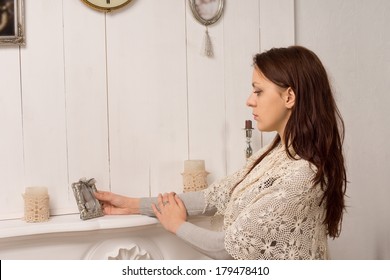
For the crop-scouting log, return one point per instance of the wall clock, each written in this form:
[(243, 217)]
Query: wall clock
[(106, 5)]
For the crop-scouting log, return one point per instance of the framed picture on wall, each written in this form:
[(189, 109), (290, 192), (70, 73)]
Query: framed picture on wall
[(207, 12), (12, 22)]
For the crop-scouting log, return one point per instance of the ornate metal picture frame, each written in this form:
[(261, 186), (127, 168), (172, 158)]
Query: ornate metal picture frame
[(207, 12), (12, 22), (89, 207)]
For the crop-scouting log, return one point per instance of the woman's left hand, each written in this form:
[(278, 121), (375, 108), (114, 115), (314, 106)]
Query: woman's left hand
[(171, 211)]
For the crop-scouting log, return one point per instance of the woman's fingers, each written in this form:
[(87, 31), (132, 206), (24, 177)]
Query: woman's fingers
[(166, 199), (103, 195), (114, 204), (179, 202), (160, 202), (156, 211), (105, 199)]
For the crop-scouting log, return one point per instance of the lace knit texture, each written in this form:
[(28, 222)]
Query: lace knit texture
[(36, 208), (274, 212)]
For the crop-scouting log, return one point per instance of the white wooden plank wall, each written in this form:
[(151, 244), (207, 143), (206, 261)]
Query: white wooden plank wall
[(86, 94), (43, 100), (11, 144), (206, 98), (147, 97), (124, 97)]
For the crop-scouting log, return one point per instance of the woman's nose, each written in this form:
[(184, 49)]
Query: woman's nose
[(250, 102)]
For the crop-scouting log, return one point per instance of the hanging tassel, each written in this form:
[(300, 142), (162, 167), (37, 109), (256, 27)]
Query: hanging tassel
[(208, 46)]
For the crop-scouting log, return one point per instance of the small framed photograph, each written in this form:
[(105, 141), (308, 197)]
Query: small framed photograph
[(12, 22), (207, 12), (89, 206)]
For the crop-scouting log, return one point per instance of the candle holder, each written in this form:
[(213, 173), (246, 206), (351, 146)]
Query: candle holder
[(248, 134), (194, 176), (36, 204)]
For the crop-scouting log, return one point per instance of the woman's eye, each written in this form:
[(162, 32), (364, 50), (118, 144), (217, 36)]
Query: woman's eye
[(257, 92)]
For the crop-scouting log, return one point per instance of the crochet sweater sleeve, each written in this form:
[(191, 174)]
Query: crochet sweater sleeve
[(194, 202), (211, 243)]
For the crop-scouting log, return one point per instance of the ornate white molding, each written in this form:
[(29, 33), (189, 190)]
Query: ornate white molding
[(134, 252), (132, 248)]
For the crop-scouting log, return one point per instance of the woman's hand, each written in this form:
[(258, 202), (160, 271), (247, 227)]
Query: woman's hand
[(114, 204), (171, 211)]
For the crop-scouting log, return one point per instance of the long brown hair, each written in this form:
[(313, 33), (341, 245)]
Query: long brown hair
[(315, 129)]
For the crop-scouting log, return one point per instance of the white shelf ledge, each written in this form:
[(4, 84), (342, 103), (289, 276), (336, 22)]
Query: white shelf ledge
[(72, 223)]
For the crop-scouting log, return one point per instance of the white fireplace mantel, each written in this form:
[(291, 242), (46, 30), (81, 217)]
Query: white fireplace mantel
[(69, 237)]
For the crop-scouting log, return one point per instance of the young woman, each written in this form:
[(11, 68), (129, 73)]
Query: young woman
[(289, 197)]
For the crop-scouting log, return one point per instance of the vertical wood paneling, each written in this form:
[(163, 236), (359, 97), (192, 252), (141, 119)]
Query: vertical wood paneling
[(147, 97), (206, 97), (277, 23), (85, 90), (168, 129), (11, 145), (239, 49), (44, 101)]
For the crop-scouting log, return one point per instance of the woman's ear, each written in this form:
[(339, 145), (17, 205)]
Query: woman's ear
[(289, 98)]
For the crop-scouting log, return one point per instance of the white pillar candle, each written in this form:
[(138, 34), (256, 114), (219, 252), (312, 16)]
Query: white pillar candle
[(194, 175), (194, 165), (36, 191)]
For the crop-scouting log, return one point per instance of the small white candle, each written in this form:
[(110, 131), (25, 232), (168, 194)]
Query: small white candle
[(36, 191), (194, 175), (194, 166), (36, 204)]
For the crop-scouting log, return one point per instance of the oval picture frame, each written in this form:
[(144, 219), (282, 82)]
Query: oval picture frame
[(207, 12)]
